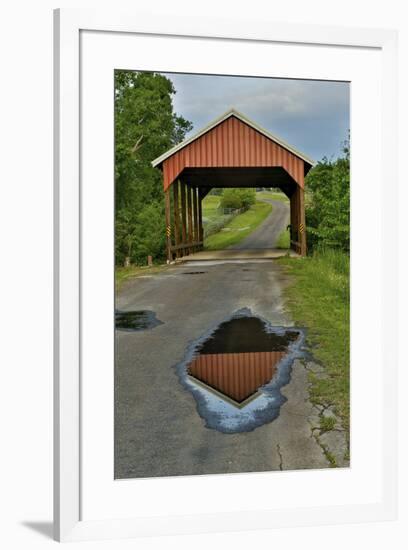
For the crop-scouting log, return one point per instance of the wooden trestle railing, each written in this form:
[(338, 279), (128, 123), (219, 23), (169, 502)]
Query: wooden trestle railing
[(184, 222)]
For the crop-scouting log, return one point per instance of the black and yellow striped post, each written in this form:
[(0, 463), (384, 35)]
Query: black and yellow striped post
[(302, 222), (200, 218), (176, 207), (183, 216), (190, 234), (168, 224), (195, 217)]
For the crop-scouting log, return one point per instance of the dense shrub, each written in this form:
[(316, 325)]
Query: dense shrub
[(214, 226), (248, 197), (230, 199), (328, 203), (236, 198)]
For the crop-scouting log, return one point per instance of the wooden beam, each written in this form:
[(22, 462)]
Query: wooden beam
[(182, 246), (298, 221), (294, 203), (293, 236), (295, 246), (190, 219), (302, 221), (168, 224), (176, 209), (204, 191), (200, 216), (183, 213), (195, 210)]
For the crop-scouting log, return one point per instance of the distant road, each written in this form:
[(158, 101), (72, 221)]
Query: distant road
[(267, 234)]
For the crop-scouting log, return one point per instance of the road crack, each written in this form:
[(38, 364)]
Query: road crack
[(280, 457)]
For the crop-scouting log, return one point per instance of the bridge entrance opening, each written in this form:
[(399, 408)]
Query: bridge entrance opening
[(231, 152)]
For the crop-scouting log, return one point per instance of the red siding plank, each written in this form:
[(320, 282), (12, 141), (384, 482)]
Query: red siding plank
[(232, 143)]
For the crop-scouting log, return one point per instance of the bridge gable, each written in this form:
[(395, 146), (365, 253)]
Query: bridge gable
[(233, 143)]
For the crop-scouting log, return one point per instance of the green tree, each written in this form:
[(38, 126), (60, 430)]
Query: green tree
[(230, 199), (238, 198), (328, 202), (247, 196), (145, 127)]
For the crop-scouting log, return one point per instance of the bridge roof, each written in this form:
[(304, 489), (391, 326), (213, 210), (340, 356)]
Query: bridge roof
[(232, 113)]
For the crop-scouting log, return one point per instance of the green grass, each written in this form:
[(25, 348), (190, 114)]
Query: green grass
[(284, 239), (210, 207), (319, 300), (239, 227), (271, 195), (122, 274), (214, 218), (327, 423)]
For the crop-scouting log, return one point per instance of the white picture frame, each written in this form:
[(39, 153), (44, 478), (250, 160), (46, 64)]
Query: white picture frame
[(68, 403)]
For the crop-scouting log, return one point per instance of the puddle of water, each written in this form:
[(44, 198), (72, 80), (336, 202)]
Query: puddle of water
[(240, 356), (236, 371), (243, 333), (133, 321)]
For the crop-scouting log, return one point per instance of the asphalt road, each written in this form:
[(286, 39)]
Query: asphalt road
[(267, 234), (158, 431)]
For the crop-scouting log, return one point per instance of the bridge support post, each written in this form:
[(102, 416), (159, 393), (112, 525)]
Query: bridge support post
[(302, 222), (168, 224), (195, 212), (190, 219), (298, 221), (176, 217), (183, 217), (200, 219)]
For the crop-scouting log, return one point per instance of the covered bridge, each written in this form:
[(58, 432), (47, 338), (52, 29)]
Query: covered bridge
[(231, 151)]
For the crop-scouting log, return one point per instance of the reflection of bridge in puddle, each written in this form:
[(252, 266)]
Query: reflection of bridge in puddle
[(239, 357), (235, 376)]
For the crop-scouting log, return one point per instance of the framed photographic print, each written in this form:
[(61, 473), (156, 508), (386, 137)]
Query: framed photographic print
[(225, 298)]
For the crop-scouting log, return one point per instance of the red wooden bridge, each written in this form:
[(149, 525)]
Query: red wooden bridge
[(232, 151)]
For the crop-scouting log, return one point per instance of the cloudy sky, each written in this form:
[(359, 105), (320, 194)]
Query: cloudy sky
[(313, 116)]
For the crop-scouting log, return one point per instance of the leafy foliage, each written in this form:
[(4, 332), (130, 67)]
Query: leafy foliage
[(328, 203), (238, 198), (145, 127), (230, 199)]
